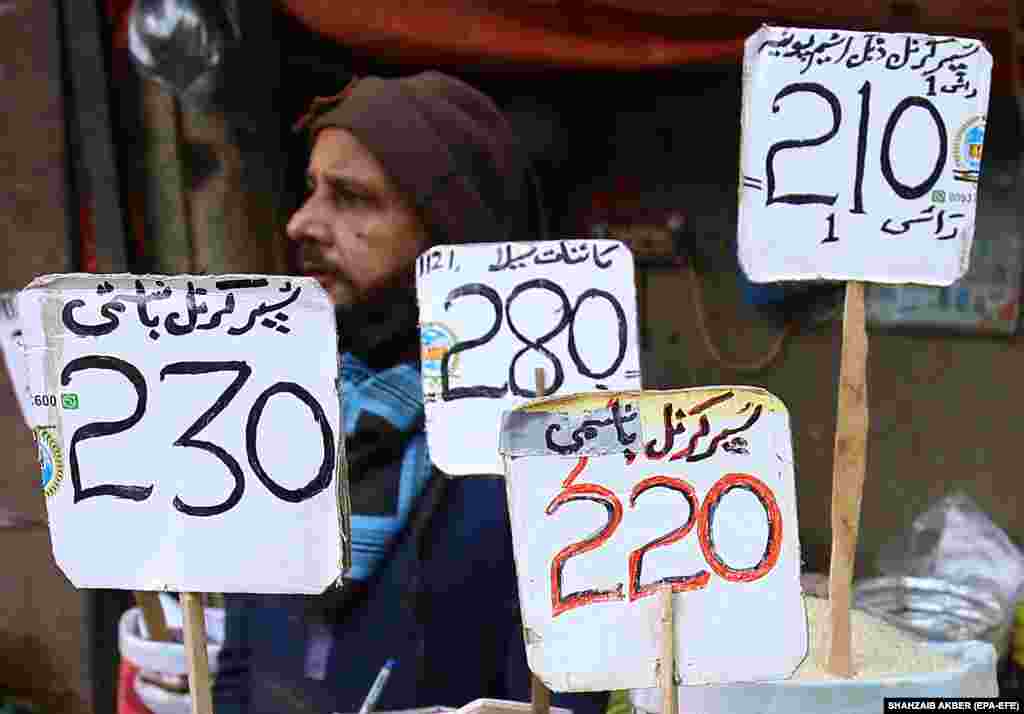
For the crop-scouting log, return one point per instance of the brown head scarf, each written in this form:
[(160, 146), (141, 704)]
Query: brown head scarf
[(446, 145)]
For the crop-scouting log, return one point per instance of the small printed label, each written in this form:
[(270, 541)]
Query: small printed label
[(51, 459)]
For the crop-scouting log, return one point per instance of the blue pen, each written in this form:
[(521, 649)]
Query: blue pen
[(378, 687)]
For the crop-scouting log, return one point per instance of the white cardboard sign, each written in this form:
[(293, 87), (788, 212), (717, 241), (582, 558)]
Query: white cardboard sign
[(11, 346), (491, 314), (189, 431), (615, 496), (860, 155)]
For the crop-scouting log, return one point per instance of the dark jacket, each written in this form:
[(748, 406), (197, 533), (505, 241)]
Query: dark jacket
[(445, 606)]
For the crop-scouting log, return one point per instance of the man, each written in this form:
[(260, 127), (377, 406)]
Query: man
[(397, 165)]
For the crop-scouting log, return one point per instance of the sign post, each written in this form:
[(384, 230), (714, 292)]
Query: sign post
[(848, 471), (860, 159), (667, 663), (195, 650), (147, 396), (540, 695)]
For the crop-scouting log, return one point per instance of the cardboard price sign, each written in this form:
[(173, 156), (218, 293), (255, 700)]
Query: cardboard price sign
[(161, 408), (615, 497), (492, 314), (860, 155)]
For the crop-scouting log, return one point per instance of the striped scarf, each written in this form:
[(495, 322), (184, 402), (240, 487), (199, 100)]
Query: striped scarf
[(386, 448)]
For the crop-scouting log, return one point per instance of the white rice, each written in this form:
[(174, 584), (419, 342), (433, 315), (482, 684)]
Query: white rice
[(879, 649)]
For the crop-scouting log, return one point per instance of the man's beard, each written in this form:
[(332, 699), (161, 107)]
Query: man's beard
[(381, 328)]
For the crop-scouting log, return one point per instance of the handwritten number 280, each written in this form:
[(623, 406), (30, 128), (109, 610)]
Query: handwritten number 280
[(702, 516), (568, 314), (140, 493), (901, 189)]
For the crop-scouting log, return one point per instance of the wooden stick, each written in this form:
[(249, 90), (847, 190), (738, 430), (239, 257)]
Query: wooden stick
[(848, 470), (667, 670), (195, 648), (540, 695), (153, 615)]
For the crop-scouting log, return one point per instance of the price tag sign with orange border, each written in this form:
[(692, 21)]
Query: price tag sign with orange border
[(614, 496)]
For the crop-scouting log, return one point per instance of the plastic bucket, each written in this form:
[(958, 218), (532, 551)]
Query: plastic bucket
[(165, 657)]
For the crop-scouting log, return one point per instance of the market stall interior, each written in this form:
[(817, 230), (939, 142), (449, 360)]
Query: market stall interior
[(630, 113)]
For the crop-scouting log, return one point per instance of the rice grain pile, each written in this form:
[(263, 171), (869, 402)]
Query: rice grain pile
[(879, 649)]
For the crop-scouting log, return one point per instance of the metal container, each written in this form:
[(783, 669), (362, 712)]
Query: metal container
[(937, 610)]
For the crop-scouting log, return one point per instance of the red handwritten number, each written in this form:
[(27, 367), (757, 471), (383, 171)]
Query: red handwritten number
[(582, 492), (706, 521), (703, 517), (680, 583)]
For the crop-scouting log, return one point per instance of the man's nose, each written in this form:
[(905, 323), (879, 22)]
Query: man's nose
[(305, 224)]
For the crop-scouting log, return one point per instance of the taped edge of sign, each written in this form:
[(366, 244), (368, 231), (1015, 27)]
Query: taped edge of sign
[(341, 486)]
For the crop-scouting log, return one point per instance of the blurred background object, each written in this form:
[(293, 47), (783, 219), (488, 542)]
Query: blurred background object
[(183, 45)]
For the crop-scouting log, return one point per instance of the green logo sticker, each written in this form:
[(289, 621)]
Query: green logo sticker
[(69, 401), (938, 196), (51, 460)]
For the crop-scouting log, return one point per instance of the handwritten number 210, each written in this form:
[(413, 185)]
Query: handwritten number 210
[(702, 516), (242, 372), (901, 189)]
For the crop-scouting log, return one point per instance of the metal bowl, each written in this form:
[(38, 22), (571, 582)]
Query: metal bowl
[(936, 609)]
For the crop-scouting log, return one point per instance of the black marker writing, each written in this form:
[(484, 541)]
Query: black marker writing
[(588, 430)]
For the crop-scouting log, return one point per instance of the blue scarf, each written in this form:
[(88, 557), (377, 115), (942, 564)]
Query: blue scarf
[(382, 415)]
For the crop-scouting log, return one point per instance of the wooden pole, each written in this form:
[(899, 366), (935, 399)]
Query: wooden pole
[(153, 615), (195, 649), (667, 670), (540, 695), (848, 469)]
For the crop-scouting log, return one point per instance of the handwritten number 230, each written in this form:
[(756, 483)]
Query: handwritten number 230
[(242, 372), (702, 517)]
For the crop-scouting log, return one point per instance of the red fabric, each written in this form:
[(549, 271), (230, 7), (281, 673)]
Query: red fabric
[(618, 34), (128, 701)]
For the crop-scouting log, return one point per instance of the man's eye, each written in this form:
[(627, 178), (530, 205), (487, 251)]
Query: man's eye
[(344, 196)]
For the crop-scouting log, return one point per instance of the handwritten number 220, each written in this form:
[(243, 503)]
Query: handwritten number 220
[(702, 517), (242, 372), (901, 189)]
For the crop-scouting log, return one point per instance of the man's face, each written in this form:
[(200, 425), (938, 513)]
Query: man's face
[(358, 234)]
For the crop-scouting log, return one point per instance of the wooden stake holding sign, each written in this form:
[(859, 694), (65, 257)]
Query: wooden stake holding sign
[(195, 648), (848, 470), (148, 395), (667, 662), (905, 113), (153, 616), (540, 695)]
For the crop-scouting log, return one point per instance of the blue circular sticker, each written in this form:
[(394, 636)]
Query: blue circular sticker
[(968, 144), (51, 462), (437, 339)]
